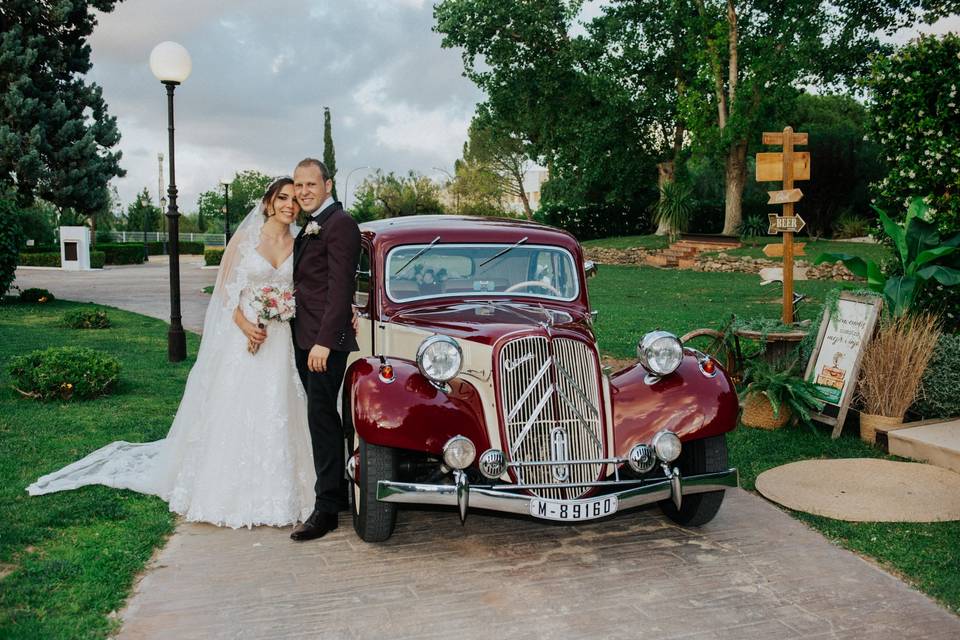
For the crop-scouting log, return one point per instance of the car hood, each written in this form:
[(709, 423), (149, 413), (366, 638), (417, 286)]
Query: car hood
[(488, 321)]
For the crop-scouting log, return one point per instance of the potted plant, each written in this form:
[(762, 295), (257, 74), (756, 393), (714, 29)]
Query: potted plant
[(773, 393), (892, 369)]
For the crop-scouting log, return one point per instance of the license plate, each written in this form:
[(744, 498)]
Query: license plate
[(573, 510)]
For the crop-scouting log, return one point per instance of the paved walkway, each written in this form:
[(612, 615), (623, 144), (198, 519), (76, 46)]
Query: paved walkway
[(139, 288), (754, 572)]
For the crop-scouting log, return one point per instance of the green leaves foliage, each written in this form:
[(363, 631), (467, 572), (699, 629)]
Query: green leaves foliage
[(64, 373), (86, 319), (56, 136), (916, 109), (782, 385), (920, 256), (9, 245)]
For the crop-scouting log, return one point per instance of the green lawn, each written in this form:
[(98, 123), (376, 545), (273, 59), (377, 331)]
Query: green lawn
[(634, 300), (74, 555)]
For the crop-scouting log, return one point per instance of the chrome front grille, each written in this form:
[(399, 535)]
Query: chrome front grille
[(549, 400)]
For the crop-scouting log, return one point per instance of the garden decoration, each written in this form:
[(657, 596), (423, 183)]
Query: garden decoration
[(919, 253), (786, 166), (893, 366), (774, 394), (834, 364)]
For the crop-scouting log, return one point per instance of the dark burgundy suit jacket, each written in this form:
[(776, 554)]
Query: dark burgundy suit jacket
[(324, 272)]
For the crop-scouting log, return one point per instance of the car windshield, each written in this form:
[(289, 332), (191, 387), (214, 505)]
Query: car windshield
[(456, 270)]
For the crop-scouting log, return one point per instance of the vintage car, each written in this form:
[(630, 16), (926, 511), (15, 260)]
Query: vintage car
[(478, 385)]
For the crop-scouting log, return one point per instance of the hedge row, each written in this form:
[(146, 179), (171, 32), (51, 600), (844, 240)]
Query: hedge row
[(97, 259), (212, 257), (588, 222), (153, 248), (186, 248)]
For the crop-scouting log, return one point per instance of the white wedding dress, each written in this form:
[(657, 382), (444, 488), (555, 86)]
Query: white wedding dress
[(238, 453)]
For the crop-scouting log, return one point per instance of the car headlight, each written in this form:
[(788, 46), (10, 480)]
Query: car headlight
[(439, 358), (660, 352), (667, 445)]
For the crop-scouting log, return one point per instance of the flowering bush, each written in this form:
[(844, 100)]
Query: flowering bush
[(916, 119)]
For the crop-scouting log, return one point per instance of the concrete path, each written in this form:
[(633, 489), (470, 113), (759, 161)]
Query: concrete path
[(139, 288), (754, 572)]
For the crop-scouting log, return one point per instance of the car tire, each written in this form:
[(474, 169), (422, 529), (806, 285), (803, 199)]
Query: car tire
[(699, 456), (373, 520)]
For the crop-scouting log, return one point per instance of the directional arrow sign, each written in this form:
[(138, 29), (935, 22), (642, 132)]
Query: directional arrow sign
[(780, 223), (775, 250), (770, 166), (776, 138), (784, 197)]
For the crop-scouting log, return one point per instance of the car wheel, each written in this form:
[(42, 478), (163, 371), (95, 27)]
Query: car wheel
[(373, 520), (699, 456)]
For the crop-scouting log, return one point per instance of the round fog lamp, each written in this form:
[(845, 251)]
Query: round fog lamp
[(492, 463), (667, 446), (439, 358), (641, 458), (459, 452), (660, 352)]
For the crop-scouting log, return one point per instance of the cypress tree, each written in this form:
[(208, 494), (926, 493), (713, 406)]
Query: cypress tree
[(56, 135), (329, 155)]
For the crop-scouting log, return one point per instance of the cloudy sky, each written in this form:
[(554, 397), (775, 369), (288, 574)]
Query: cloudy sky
[(262, 72)]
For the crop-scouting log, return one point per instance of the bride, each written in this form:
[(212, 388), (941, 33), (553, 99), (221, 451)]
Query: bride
[(238, 453)]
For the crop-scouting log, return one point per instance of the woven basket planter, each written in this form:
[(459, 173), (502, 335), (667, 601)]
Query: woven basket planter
[(758, 413), (869, 423)]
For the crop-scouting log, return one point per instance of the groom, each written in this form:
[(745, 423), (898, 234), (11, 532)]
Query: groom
[(325, 256)]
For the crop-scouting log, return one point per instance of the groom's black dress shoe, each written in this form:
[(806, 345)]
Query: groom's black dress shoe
[(316, 526)]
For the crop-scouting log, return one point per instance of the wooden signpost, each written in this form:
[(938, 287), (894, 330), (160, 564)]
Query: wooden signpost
[(786, 166)]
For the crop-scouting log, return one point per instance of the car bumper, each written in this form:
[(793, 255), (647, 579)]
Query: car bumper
[(460, 494)]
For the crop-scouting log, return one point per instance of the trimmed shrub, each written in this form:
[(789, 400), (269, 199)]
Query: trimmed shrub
[(212, 257), (588, 222), (39, 259), (126, 253), (86, 319), (938, 397), (64, 373), (41, 248), (9, 242), (186, 248), (97, 259), (36, 296)]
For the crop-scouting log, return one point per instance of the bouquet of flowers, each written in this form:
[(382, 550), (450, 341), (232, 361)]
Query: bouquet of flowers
[(272, 304)]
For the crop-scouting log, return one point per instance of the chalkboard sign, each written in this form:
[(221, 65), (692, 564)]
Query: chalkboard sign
[(834, 365)]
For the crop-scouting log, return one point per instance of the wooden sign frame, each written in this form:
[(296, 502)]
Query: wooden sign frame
[(834, 413)]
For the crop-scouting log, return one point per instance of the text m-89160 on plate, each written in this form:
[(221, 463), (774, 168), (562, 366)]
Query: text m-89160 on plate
[(573, 510)]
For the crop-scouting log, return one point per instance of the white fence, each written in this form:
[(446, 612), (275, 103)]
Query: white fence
[(209, 239)]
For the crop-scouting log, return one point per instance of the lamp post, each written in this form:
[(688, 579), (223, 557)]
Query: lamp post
[(171, 65), (163, 205), (346, 186), (144, 210), (226, 211)]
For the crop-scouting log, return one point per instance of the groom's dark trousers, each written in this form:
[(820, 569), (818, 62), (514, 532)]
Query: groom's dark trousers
[(326, 429)]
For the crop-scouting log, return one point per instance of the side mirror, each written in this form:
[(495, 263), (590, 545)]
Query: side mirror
[(590, 268)]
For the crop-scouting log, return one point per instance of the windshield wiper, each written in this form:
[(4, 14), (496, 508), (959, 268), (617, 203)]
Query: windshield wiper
[(488, 260), (419, 253)]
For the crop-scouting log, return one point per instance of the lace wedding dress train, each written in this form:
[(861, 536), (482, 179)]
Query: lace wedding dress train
[(238, 453)]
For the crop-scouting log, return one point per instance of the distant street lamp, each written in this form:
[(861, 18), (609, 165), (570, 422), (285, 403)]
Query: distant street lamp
[(346, 186), (226, 211), (163, 205), (144, 211), (171, 65), (456, 195)]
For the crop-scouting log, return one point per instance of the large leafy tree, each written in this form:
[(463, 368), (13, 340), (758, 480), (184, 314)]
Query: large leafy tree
[(647, 73), (246, 190), (496, 159), (389, 196), (56, 136)]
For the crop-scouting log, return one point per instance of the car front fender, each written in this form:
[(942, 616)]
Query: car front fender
[(410, 412), (686, 402)]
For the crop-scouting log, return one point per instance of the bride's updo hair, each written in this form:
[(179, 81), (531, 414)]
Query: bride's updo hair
[(272, 192)]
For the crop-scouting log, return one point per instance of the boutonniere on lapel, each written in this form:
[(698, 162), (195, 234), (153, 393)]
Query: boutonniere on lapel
[(312, 229)]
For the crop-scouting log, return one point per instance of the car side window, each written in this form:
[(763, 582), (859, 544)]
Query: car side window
[(361, 294)]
